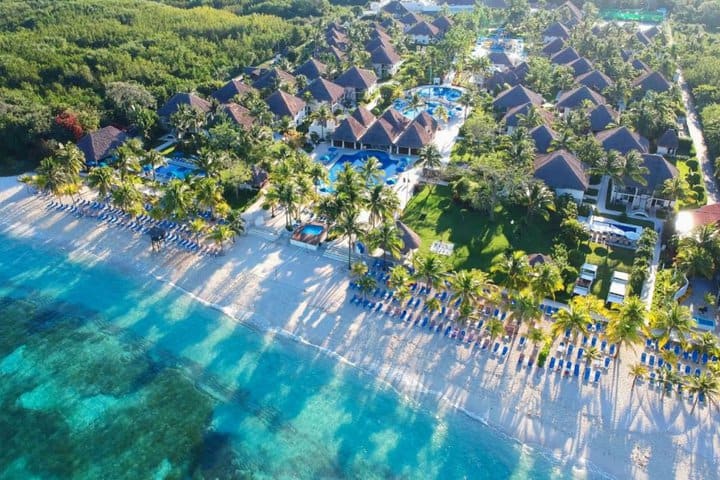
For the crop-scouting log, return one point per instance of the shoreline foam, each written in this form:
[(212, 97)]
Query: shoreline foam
[(50, 232)]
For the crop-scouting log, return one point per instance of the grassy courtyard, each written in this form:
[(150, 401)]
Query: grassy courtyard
[(434, 216)]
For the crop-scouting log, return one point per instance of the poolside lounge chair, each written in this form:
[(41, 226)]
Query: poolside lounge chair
[(594, 341), (611, 351), (704, 358), (697, 372), (570, 349), (504, 351), (521, 343), (496, 347), (586, 374), (551, 365), (580, 353), (606, 363), (576, 370), (596, 379), (660, 362), (651, 361), (603, 346), (568, 368), (643, 357), (559, 365)]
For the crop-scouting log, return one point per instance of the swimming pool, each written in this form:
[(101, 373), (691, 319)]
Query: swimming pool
[(602, 224), (174, 170), (448, 93), (404, 107), (312, 229), (705, 323), (391, 166)]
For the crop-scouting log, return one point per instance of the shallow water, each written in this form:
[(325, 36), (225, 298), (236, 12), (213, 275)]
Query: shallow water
[(109, 377)]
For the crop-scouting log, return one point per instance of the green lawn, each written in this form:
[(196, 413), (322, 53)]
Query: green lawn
[(618, 259), (434, 216)]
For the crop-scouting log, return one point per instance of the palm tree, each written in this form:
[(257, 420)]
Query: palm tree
[(152, 160), (430, 157), (433, 305), (371, 171), (208, 195), (387, 237), (495, 328), (71, 158), (288, 198), (219, 235), (635, 168), (347, 225), (536, 336), (675, 188), (441, 113), (399, 277), (358, 269), (322, 115), (525, 308), (198, 227), (637, 371), (513, 269), (176, 199), (674, 321), (545, 280), (576, 319), (186, 119), (318, 174), (127, 198), (382, 203), (538, 199), (429, 269), (366, 284), (128, 157), (592, 354), (466, 287), (611, 164), (707, 343), (627, 325), (707, 385), (103, 180), (350, 187)]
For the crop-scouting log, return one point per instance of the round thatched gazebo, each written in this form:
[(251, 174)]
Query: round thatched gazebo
[(411, 240)]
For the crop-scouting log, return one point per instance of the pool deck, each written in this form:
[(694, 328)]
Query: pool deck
[(696, 301)]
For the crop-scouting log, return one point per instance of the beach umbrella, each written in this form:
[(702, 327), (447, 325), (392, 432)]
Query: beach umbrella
[(411, 240)]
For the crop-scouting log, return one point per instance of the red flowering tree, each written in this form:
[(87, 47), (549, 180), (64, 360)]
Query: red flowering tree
[(69, 122)]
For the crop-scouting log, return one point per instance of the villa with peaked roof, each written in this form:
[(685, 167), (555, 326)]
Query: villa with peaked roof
[(570, 12), (419, 133), (512, 118), (516, 96), (171, 106), (233, 88), (423, 33), (646, 197), (543, 137), (602, 117), (553, 47), (443, 23), (554, 31), (101, 144), (385, 61), (348, 133), (324, 92), (357, 82), (283, 104), (580, 66), (500, 61), (273, 79), (576, 98), (623, 140), (565, 56), (311, 69), (652, 81), (563, 172), (668, 142), (238, 114), (595, 79)]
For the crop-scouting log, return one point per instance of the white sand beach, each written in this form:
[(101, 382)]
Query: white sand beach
[(284, 289)]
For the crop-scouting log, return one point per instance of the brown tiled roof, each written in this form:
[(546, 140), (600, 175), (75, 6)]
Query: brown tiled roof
[(363, 116), (178, 99), (282, 104), (325, 91), (423, 28), (239, 115), (385, 55), (271, 77), (349, 130), (380, 133), (311, 69), (395, 119), (358, 78), (101, 143), (561, 169), (415, 136), (232, 89)]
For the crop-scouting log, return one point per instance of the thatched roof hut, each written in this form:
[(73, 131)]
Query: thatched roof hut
[(411, 240)]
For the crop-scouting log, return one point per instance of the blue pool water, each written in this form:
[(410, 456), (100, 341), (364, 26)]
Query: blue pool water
[(448, 93), (623, 227), (705, 323), (390, 166), (109, 376), (173, 170), (312, 230)]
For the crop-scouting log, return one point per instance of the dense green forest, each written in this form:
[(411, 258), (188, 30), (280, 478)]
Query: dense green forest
[(59, 60)]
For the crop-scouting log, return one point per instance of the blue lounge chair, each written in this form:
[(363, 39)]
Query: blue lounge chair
[(643, 357), (570, 349), (580, 353), (448, 330), (586, 374), (530, 362), (648, 344), (568, 367), (576, 370), (704, 359), (651, 361), (496, 347), (567, 333), (676, 350), (596, 379), (584, 340), (504, 351), (697, 372), (611, 351), (695, 356), (403, 315), (425, 321), (551, 365), (560, 364), (606, 364), (521, 342), (661, 362), (593, 342), (603, 345)]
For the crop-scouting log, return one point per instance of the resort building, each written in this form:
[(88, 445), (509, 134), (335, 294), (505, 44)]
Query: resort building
[(282, 105), (511, 120), (443, 23), (553, 47), (238, 114), (576, 99), (555, 31), (543, 137), (423, 33), (233, 89), (651, 81), (618, 287), (312, 69), (581, 66), (190, 99), (420, 133), (500, 61), (385, 60), (99, 146), (623, 140), (357, 82), (646, 197), (274, 79), (564, 173), (668, 143), (602, 117), (516, 96), (595, 79), (324, 92), (687, 220), (565, 56)]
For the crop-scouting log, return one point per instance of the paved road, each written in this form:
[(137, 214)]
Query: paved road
[(695, 130)]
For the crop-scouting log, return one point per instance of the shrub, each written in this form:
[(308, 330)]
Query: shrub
[(542, 356), (693, 178), (576, 258), (699, 192), (693, 165)]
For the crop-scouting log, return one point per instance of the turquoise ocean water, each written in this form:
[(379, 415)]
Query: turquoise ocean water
[(102, 376)]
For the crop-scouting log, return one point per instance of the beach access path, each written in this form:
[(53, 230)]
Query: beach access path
[(284, 290)]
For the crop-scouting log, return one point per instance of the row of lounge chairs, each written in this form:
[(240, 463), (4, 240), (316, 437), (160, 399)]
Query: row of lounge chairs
[(687, 355), (176, 234)]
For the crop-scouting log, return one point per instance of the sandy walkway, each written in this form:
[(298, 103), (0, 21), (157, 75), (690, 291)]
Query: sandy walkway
[(304, 295)]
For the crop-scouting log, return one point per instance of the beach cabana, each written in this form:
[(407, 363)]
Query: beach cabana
[(411, 240)]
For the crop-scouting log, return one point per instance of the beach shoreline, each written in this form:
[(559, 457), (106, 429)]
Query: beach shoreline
[(303, 296)]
